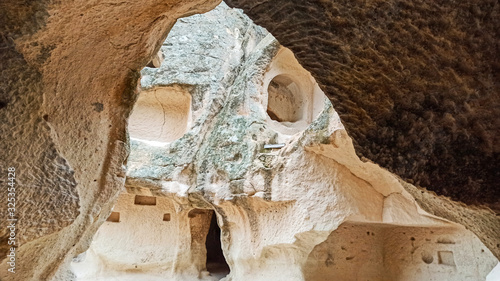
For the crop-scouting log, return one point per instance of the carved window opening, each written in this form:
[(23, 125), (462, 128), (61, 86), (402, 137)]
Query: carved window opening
[(161, 114), (285, 100), (446, 258), (292, 98), (166, 217)]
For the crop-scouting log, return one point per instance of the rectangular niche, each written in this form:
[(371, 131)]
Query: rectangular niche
[(166, 217), (114, 217), (145, 200), (446, 257), (161, 114)]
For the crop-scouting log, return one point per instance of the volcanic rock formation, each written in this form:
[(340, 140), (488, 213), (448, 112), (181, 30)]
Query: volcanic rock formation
[(234, 134), (415, 83), (69, 72)]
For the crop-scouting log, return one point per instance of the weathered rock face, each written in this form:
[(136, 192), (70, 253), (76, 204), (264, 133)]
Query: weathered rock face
[(415, 83), (307, 209), (68, 78), (69, 73)]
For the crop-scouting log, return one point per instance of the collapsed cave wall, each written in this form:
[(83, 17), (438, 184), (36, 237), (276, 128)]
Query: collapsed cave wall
[(415, 83)]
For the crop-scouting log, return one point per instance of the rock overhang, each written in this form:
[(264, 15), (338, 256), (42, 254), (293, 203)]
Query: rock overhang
[(311, 186), (49, 54)]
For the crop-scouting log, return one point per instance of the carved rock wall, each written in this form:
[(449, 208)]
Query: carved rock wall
[(69, 73), (69, 77), (308, 209)]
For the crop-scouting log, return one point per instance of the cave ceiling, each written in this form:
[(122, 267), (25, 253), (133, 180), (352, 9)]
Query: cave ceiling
[(416, 84)]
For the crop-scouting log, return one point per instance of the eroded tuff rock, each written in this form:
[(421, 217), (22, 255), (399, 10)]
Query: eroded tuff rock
[(68, 78), (309, 209), (415, 83), (68, 73)]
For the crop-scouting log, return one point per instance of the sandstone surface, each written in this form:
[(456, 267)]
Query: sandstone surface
[(69, 76), (308, 209), (416, 83)]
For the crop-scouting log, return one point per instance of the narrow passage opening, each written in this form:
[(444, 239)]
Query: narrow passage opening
[(216, 263)]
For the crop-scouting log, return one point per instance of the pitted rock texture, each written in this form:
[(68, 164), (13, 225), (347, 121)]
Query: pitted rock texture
[(69, 77), (279, 210), (69, 72), (415, 83)]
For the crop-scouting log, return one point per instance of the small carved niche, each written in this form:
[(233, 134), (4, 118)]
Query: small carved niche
[(446, 258), (145, 200), (166, 217), (114, 217)]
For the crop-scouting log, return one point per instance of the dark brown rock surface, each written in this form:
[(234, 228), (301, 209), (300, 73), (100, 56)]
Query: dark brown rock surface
[(416, 83)]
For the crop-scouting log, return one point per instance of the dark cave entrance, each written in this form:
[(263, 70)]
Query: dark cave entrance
[(216, 262)]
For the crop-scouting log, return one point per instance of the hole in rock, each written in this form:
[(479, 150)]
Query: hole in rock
[(145, 200), (114, 217), (293, 99), (442, 240), (161, 114), (166, 217), (285, 100), (216, 263), (204, 228), (427, 258)]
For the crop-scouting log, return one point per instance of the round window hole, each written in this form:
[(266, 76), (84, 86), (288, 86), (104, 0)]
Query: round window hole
[(285, 100), (427, 258)]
